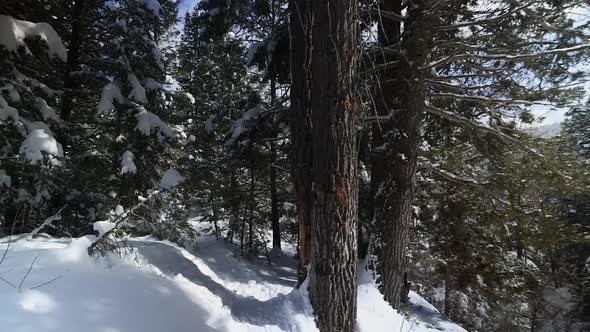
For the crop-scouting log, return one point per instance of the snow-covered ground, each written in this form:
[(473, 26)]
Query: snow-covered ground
[(53, 285)]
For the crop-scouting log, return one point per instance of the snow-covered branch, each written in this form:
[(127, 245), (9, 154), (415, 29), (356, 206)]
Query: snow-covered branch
[(47, 222), (484, 21), (117, 222), (427, 164)]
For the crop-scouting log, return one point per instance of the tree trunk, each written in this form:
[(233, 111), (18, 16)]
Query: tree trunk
[(401, 156), (72, 63), (233, 205), (301, 48), (385, 101), (274, 202), (333, 276), (251, 215), (385, 95)]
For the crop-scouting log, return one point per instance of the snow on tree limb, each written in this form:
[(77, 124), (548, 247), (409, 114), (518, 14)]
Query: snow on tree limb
[(484, 21), (47, 222), (13, 33), (427, 164)]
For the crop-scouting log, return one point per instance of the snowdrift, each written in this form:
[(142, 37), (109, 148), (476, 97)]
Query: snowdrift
[(53, 285)]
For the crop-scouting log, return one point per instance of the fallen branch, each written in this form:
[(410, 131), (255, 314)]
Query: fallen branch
[(118, 221), (46, 222)]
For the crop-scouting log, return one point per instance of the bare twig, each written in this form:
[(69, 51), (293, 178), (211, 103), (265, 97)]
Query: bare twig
[(47, 282), (8, 282), (28, 272)]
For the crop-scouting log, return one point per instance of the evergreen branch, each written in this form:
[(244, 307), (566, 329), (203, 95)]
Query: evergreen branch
[(386, 14), (485, 21), (427, 164), (510, 57), (118, 221), (487, 100)]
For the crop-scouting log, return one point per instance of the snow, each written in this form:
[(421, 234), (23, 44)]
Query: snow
[(151, 84), (190, 97), (159, 286), (47, 112), (7, 111), (147, 121), (127, 164), (119, 210), (13, 33), (38, 141), (375, 314), (103, 227), (137, 90), (171, 179), (5, 180), (110, 93), (152, 5), (252, 51), (13, 95)]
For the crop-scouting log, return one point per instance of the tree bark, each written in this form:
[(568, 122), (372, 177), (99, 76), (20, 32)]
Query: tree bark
[(333, 276), (301, 48), (385, 101), (401, 156)]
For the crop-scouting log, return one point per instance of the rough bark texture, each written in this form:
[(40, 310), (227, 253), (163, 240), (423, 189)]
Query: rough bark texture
[(335, 151), (385, 99), (300, 31), (403, 143)]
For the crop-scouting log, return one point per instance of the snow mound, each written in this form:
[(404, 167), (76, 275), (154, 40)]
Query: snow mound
[(171, 179), (148, 121), (37, 142), (110, 93), (127, 164), (7, 111), (47, 112), (162, 287), (137, 90), (103, 227), (152, 5), (13, 33)]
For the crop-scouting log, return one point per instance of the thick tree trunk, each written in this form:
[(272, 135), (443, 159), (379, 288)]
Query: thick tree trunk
[(300, 31), (385, 101), (401, 157), (335, 108), (385, 97)]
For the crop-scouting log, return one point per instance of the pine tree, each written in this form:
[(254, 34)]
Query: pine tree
[(31, 157), (467, 66), (332, 112)]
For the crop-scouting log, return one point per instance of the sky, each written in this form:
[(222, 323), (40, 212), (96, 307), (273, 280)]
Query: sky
[(185, 6)]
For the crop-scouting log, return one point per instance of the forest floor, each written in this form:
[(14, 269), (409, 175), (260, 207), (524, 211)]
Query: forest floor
[(53, 285)]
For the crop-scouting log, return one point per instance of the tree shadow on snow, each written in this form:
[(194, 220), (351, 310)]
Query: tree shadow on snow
[(275, 311)]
